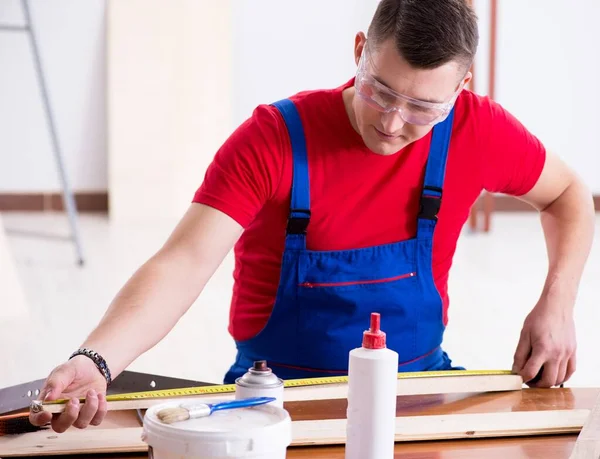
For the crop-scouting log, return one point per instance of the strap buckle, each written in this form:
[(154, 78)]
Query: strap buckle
[(430, 205), (298, 225)]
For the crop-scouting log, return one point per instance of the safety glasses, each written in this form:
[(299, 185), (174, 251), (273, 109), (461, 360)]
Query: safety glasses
[(385, 100)]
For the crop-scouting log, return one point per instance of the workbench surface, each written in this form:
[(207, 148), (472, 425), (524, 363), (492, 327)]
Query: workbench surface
[(539, 400), (546, 447)]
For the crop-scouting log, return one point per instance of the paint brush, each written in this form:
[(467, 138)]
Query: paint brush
[(185, 412)]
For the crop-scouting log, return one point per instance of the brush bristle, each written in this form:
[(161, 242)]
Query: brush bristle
[(16, 424), (170, 415)]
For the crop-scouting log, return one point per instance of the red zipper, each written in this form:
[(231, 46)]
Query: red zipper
[(342, 284)]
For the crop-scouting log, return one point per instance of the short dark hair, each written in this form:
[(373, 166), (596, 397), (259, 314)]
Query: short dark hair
[(427, 33)]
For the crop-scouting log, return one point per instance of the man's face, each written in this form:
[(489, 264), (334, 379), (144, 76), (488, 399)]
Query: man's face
[(394, 103)]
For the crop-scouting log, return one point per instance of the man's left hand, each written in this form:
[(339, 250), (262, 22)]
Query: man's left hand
[(545, 355)]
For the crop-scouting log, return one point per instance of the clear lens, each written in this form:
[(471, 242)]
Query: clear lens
[(382, 99)]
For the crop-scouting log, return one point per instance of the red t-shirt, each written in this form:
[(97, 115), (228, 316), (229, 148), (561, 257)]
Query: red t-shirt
[(358, 198)]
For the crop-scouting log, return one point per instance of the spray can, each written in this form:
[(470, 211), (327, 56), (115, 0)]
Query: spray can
[(260, 381), (372, 387)]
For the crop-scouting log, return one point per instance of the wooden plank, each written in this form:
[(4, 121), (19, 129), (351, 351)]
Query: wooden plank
[(536, 447), (416, 386), (83, 441), (451, 426), (317, 432), (587, 445)]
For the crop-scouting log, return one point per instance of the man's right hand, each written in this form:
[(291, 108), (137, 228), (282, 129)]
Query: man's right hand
[(78, 377), (174, 276)]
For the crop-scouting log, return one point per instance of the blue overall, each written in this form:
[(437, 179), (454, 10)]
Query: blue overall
[(325, 298)]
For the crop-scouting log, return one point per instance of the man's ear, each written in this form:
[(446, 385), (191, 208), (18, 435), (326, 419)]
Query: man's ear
[(359, 43), (466, 80)]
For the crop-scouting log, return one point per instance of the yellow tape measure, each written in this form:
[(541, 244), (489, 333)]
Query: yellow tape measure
[(230, 388)]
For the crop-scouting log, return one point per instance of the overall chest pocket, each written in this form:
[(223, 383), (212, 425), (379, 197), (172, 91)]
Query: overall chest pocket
[(334, 312), (358, 283)]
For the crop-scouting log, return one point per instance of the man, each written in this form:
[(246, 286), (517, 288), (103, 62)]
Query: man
[(349, 201)]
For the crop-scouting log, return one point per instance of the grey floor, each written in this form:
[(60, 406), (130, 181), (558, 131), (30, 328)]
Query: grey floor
[(496, 279)]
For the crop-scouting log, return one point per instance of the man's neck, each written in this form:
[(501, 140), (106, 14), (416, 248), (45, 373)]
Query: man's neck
[(348, 97)]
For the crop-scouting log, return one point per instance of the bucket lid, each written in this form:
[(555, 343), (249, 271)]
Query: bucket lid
[(236, 433)]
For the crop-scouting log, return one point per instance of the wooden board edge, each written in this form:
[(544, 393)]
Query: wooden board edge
[(73, 442), (416, 386), (451, 427)]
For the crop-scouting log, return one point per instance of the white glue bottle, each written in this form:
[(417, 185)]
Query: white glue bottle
[(372, 383)]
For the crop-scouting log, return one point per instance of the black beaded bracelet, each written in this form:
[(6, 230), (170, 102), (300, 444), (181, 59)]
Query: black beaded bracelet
[(98, 360)]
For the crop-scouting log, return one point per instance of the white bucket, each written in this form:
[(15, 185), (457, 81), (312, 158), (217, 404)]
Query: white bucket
[(260, 432)]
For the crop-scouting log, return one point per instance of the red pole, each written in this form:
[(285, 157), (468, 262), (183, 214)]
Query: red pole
[(488, 198)]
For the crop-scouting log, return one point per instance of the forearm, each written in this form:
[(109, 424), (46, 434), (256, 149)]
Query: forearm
[(146, 309), (568, 225)]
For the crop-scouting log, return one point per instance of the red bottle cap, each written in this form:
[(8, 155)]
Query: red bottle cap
[(374, 338)]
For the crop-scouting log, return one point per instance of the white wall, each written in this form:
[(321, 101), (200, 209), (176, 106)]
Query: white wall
[(547, 75), (280, 49), (71, 38)]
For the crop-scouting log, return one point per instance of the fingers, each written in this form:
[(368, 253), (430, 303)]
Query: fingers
[(522, 352), (92, 412), (87, 411), (550, 374), (53, 387), (571, 366), (62, 422), (101, 412), (553, 371), (532, 367), (43, 417), (40, 419), (562, 371)]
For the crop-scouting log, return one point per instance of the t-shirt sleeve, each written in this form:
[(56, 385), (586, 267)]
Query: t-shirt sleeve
[(246, 170), (513, 156)]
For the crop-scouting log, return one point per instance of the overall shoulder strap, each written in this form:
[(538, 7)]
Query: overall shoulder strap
[(431, 195), (299, 216)]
